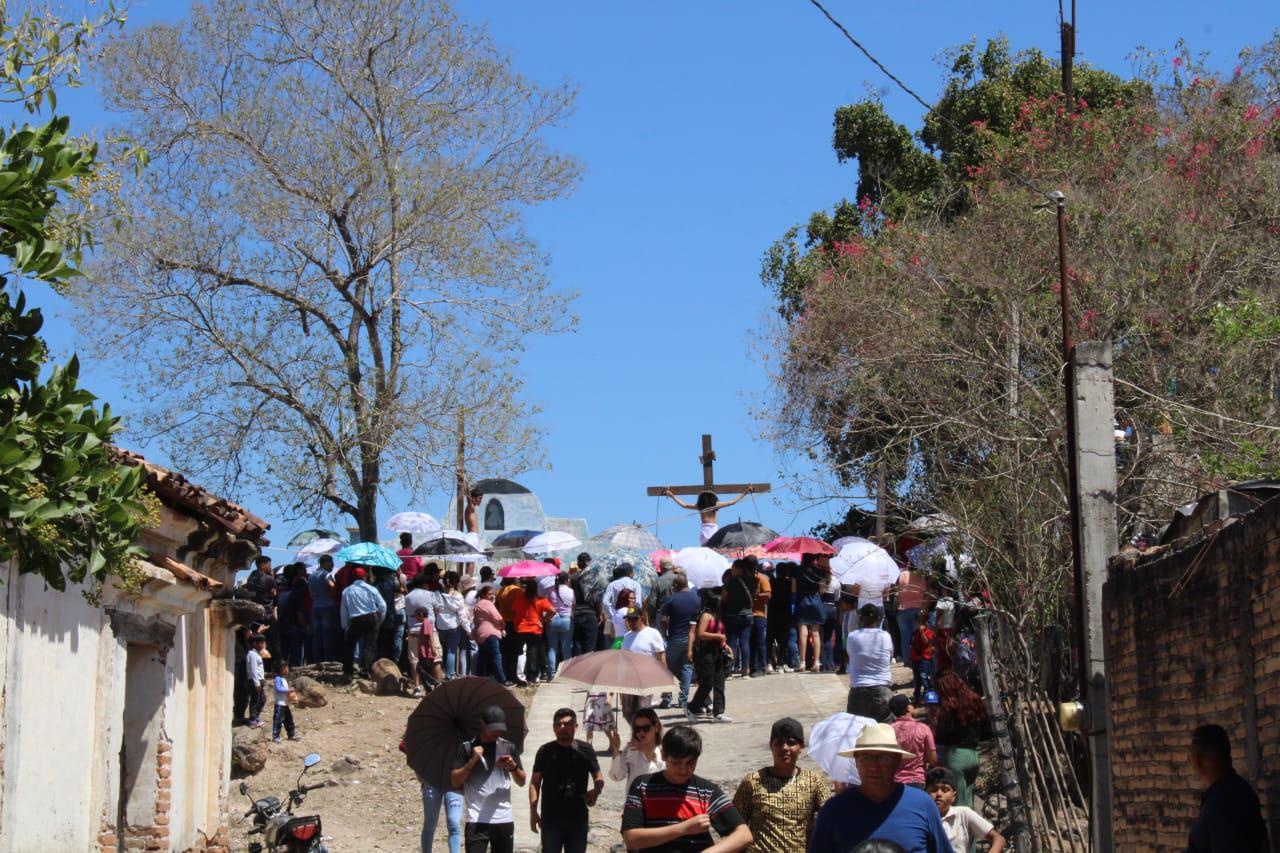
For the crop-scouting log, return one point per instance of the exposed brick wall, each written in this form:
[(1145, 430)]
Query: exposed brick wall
[(1193, 637)]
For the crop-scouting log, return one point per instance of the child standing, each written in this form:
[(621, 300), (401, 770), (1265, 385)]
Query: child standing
[(922, 657), (964, 826), (283, 714), (257, 676), (598, 714)]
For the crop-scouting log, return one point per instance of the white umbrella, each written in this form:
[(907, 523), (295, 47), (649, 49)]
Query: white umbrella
[(830, 737), (316, 548), (550, 542), (703, 567), (413, 522), (862, 561), (432, 536)]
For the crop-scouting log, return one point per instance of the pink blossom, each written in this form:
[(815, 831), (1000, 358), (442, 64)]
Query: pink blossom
[(1177, 62), (1252, 111)]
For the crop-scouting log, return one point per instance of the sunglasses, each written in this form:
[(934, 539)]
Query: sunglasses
[(641, 729)]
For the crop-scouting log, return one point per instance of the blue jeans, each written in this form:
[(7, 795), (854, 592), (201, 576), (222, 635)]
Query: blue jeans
[(564, 834), (489, 660), (449, 640), (759, 650), (391, 636), (559, 642), (907, 629), (680, 666), (793, 647), (431, 817), (738, 629), (325, 635), (922, 678)]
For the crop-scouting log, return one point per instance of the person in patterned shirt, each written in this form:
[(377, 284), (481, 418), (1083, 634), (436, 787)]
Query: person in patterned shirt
[(780, 802), (674, 811)]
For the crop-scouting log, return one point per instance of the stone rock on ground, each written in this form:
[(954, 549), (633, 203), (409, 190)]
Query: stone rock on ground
[(310, 693), (386, 675), (346, 764), (249, 749)]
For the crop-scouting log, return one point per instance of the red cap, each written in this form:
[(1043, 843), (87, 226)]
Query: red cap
[(555, 561), (360, 574)]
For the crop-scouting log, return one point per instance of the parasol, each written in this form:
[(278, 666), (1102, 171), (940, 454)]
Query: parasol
[(450, 549), (529, 569), (449, 715), (600, 572), (800, 545), (309, 536), (617, 671), (703, 567), (513, 540), (742, 534), (627, 537), (413, 522), (550, 542), (831, 737), (370, 554), (865, 563), (318, 547)]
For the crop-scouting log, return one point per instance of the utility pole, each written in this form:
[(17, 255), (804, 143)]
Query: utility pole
[(1068, 36), (460, 470), (1093, 400)]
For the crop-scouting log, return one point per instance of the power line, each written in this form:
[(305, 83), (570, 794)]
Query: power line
[(929, 108)]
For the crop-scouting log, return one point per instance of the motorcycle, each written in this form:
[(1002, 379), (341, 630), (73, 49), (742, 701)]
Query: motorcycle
[(280, 830)]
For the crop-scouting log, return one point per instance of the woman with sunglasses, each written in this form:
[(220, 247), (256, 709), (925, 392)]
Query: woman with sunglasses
[(643, 755)]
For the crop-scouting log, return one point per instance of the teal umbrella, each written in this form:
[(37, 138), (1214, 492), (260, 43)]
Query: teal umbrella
[(370, 554), (306, 537)]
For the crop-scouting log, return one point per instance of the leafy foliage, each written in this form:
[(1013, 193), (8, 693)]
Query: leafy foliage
[(67, 509), (929, 341)]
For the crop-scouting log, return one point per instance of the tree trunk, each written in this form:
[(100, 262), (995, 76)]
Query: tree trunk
[(367, 510)]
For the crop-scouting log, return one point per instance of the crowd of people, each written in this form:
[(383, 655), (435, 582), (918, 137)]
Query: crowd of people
[(917, 762)]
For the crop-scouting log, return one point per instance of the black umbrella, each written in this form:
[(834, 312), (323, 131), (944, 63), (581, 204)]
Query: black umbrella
[(743, 534), (514, 540), (498, 486), (449, 715), (446, 546)]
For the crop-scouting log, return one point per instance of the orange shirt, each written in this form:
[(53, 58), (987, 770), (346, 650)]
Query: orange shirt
[(760, 602), (529, 614), (506, 601)]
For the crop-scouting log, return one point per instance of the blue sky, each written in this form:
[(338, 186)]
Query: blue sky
[(704, 129)]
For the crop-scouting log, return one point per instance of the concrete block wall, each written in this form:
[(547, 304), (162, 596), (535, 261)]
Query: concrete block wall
[(1193, 637)]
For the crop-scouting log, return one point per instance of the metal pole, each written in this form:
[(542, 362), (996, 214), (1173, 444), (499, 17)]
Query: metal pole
[(1073, 476)]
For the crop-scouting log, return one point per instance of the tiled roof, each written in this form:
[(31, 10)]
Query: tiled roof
[(179, 492)]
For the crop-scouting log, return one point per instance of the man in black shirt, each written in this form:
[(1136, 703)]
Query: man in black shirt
[(561, 770), (260, 587), (1230, 817)]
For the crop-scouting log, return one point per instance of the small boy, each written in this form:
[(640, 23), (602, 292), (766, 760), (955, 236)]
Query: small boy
[(598, 715), (257, 676), (963, 824), (283, 713), (922, 657)]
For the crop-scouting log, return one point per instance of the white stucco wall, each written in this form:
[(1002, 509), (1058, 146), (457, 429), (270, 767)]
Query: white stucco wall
[(51, 716)]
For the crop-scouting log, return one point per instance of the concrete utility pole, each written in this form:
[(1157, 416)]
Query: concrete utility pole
[(1093, 400)]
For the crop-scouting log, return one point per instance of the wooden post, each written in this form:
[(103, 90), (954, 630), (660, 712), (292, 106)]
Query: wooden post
[(460, 471), (1095, 460)]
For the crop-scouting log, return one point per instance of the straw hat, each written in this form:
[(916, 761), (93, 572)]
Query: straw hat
[(877, 738)]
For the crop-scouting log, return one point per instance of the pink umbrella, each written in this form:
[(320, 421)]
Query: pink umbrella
[(528, 569), (657, 556), (759, 552), (801, 544)]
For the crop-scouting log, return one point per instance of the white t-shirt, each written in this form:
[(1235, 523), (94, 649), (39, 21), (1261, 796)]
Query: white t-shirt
[(964, 825), (871, 589), (646, 641), (870, 652)]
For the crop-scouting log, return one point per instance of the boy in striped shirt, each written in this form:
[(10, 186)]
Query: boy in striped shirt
[(674, 811)]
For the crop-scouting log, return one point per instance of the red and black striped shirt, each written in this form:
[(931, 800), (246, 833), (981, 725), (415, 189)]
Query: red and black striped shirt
[(653, 802)]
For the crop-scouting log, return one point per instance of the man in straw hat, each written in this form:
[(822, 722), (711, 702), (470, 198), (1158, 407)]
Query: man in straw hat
[(879, 807)]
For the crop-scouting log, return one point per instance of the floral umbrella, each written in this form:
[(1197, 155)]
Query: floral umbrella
[(600, 572), (628, 537), (306, 537)]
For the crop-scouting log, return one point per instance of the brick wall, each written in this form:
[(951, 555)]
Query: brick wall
[(1193, 637)]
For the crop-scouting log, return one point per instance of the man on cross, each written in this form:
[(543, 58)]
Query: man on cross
[(708, 506)]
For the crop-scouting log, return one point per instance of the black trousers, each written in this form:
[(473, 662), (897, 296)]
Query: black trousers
[(708, 661), (362, 630), (511, 645), (535, 655), (585, 628), (489, 838)]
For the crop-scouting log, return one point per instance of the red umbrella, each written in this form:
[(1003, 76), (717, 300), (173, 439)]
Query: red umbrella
[(799, 545), (529, 569)]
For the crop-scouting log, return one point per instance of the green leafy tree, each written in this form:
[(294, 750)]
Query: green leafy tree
[(68, 509)]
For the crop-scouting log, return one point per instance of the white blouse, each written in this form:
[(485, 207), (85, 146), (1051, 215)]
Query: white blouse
[(631, 764)]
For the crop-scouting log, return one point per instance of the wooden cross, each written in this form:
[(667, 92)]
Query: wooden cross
[(709, 484)]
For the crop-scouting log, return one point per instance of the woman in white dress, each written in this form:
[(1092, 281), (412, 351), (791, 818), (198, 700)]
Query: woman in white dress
[(643, 755)]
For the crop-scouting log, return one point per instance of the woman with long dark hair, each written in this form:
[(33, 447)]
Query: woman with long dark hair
[(643, 755), (707, 650), (807, 585), (962, 724)]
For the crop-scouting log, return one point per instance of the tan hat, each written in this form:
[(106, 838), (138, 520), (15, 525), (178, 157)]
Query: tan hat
[(879, 737)]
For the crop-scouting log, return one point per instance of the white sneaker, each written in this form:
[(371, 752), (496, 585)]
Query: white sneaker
[(786, 668), (768, 670), (723, 718)]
